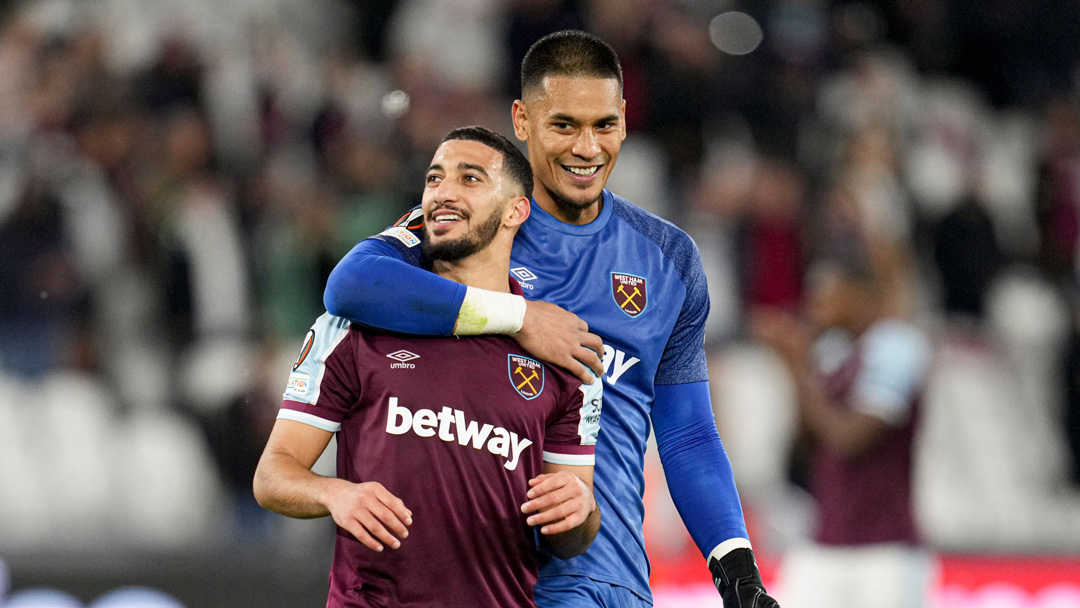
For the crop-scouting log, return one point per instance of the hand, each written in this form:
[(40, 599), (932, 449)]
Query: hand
[(366, 510), (737, 579), (559, 337), (559, 502)]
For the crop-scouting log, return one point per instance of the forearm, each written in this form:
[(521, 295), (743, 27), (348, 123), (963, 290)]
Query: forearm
[(576, 541), (372, 286), (699, 474), (285, 486)]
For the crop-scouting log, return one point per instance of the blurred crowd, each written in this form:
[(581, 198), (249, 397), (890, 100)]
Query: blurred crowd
[(177, 179)]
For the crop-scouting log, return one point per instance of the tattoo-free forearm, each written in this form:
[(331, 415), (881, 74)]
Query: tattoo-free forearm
[(576, 541), (285, 486)]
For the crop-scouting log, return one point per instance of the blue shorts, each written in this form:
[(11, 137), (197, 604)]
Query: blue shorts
[(566, 591)]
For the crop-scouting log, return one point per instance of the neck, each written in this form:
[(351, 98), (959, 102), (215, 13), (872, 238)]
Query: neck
[(485, 269), (564, 210)]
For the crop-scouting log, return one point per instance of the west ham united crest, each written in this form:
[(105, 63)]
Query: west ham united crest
[(629, 293), (527, 376)]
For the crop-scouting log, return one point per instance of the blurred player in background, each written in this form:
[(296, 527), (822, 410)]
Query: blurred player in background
[(448, 450), (859, 377), (638, 282)]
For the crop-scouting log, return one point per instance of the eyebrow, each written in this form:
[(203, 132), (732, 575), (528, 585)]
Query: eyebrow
[(462, 166), (560, 117)]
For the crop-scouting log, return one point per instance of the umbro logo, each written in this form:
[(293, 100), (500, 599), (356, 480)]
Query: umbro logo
[(402, 358), (524, 275)]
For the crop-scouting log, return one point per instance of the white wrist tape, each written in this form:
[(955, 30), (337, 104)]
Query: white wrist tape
[(489, 312), (727, 546)]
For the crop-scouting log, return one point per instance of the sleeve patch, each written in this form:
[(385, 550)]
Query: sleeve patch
[(298, 385), (591, 405), (402, 234)]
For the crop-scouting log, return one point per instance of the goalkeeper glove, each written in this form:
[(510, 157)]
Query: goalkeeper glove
[(738, 581)]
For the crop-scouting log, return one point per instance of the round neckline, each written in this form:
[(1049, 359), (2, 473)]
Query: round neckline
[(601, 220)]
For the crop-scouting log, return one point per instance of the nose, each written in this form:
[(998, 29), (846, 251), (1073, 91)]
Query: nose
[(586, 146), (446, 191)]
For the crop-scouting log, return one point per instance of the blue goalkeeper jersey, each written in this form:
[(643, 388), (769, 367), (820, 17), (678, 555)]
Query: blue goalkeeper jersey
[(637, 280)]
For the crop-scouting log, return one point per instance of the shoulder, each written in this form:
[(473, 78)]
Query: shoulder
[(671, 241)]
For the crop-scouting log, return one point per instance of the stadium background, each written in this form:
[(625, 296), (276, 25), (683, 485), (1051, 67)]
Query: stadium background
[(177, 178)]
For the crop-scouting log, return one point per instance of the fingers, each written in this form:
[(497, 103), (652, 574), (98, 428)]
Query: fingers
[(572, 520), (357, 530), (592, 360), (376, 517), (558, 503), (375, 527), (401, 515)]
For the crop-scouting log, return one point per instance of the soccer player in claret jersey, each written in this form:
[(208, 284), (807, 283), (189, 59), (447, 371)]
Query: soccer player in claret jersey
[(449, 451), (639, 283)]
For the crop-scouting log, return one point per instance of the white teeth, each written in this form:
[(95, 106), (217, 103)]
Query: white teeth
[(446, 217), (582, 171)]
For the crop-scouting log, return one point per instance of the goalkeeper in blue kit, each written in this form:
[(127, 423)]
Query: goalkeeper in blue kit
[(625, 275)]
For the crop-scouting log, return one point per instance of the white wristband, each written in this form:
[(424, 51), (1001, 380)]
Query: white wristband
[(727, 546), (489, 312)]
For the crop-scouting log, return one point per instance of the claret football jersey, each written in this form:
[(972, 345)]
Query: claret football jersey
[(455, 428)]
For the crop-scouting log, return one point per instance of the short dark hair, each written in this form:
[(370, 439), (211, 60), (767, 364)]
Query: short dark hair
[(514, 162), (569, 53)]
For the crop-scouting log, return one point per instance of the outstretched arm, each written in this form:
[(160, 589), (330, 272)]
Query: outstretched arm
[(702, 487), (380, 284)]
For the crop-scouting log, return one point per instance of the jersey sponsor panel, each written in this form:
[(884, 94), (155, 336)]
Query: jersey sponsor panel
[(451, 425)]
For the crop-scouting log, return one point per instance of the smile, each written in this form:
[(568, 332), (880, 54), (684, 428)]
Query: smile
[(444, 217), (582, 171)]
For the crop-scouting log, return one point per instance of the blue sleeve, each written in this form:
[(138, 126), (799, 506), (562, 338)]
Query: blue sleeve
[(380, 283), (683, 360), (697, 468)]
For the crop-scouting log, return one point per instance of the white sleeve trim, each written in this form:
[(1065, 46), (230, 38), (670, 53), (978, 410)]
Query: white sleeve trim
[(309, 419), (577, 460), (489, 312), (728, 546)]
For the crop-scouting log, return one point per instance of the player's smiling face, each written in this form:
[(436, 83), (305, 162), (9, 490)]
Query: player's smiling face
[(574, 127), (463, 202)]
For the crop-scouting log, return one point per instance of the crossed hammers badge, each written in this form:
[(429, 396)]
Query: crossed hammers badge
[(527, 375), (629, 293)]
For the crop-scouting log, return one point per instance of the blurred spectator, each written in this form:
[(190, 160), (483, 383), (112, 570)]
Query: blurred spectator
[(858, 378), (772, 240), (968, 259), (43, 299)]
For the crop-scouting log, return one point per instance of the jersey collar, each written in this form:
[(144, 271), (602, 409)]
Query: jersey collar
[(539, 215)]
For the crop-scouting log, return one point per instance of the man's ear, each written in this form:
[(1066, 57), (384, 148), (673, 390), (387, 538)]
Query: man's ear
[(622, 119), (519, 210), (521, 120)]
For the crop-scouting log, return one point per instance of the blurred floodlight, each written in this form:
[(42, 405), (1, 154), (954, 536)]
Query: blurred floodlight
[(735, 33), (395, 104)]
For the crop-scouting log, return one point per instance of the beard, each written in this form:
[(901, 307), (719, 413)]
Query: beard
[(475, 239)]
